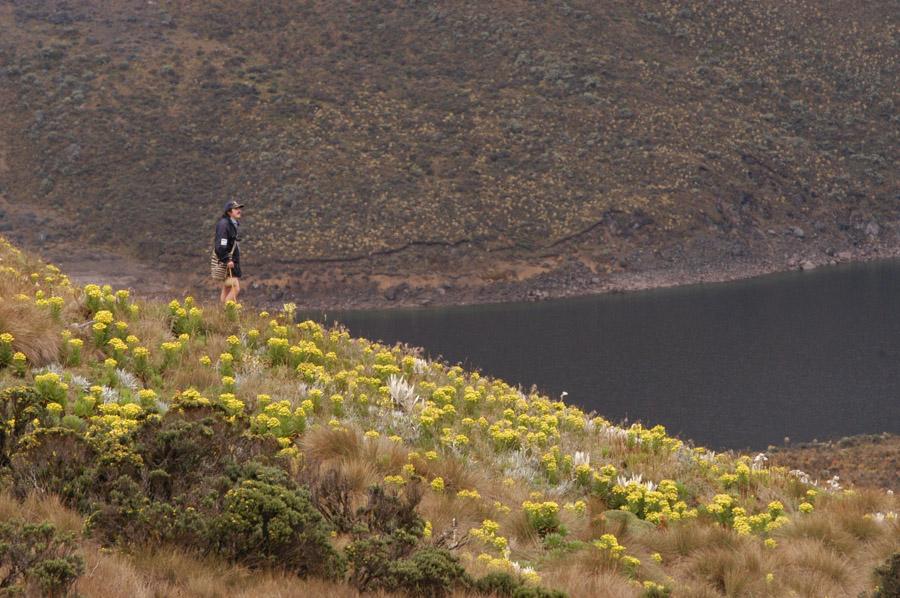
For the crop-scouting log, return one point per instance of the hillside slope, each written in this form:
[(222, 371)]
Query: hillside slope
[(490, 147), (292, 450)]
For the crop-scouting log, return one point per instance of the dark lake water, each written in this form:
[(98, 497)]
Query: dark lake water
[(734, 365)]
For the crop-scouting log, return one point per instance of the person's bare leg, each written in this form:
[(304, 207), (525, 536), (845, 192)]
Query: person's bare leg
[(223, 295)]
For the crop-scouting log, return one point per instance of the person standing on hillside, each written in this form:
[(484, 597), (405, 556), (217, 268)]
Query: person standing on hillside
[(228, 252)]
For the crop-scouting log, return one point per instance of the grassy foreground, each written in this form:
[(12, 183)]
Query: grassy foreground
[(178, 449)]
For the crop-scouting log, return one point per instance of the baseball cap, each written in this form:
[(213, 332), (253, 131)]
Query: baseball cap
[(232, 205)]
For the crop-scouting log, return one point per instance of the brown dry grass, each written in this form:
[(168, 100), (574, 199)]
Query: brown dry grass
[(36, 334), (152, 327), (172, 573), (841, 524), (687, 538), (111, 574), (578, 583), (325, 444), (37, 507)]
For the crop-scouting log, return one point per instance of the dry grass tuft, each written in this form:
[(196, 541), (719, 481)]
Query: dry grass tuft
[(686, 539), (195, 377), (359, 474), (174, 573), (456, 474), (739, 571), (386, 455), (323, 444), (810, 557), (577, 582), (36, 334), (153, 325), (824, 527), (109, 575), (40, 507)]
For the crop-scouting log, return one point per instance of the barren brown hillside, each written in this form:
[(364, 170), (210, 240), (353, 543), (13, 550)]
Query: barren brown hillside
[(471, 149)]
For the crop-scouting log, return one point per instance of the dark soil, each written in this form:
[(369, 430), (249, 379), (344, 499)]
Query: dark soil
[(867, 460)]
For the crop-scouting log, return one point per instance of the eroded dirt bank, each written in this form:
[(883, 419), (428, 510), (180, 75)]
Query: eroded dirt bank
[(440, 276)]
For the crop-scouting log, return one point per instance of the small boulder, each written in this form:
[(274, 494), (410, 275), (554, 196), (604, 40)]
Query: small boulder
[(629, 521), (872, 229), (396, 291)]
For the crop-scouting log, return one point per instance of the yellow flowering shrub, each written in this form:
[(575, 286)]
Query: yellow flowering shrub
[(543, 517), (659, 505), (6, 349), (487, 533)]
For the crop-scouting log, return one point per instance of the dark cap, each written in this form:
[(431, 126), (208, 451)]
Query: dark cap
[(232, 205)]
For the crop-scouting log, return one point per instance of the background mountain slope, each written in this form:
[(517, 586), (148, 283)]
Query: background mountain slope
[(514, 140)]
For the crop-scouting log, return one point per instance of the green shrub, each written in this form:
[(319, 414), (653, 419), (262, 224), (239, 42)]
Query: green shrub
[(498, 583), (427, 572), (655, 590), (57, 461), (19, 405), (386, 531), (54, 577), (505, 585), (537, 592), (35, 556), (371, 558), (888, 576), (270, 524), (386, 512)]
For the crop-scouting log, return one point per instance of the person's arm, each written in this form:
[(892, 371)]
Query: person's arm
[(223, 241)]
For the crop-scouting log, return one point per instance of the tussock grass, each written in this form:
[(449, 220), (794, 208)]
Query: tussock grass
[(579, 582), (816, 558), (112, 575), (687, 539), (174, 573), (40, 508), (326, 444), (37, 336)]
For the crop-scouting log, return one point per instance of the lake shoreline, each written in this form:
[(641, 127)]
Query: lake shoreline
[(460, 276), (562, 283)]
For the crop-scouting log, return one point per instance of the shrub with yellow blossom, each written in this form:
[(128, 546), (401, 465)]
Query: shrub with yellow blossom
[(277, 350), (488, 535), (543, 517), (73, 352), (51, 388), (6, 349), (171, 354), (609, 545), (233, 310)]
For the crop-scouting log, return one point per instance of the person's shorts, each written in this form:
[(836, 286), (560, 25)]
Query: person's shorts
[(236, 271)]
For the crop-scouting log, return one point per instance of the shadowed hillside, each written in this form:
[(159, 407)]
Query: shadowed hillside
[(506, 144)]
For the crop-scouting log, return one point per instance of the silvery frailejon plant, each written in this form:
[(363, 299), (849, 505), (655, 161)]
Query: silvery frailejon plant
[(403, 393), (581, 458)]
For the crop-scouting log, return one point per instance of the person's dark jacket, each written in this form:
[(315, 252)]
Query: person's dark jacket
[(226, 238)]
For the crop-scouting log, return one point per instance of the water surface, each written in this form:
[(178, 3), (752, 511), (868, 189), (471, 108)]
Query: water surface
[(733, 365)]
